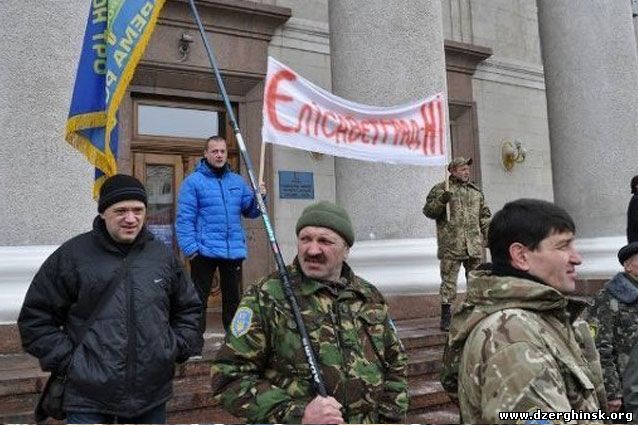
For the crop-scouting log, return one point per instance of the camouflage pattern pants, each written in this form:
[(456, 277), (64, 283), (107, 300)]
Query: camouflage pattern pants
[(449, 273)]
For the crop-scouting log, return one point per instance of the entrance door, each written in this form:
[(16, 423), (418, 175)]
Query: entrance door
[(167, 143), (162, 175)]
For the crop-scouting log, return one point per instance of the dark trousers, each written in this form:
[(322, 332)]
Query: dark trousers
[(202, 271), (156, 415)]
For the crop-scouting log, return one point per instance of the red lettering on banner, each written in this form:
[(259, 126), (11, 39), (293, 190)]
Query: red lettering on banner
[(307, 111), (355, 129), (376, 131), (404, 133), (431, 123), (364, 131), (384, 132), (272, 96), (425, 114), (313, 121), (319, 114), (325, 122), (440, 148), (414, 134), (342, 129), (397, 132)]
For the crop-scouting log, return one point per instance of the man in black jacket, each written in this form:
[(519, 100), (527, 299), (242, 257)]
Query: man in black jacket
[(120, 368)]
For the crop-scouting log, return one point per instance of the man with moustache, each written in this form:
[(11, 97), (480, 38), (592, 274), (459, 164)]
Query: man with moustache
[(118, 363), (261, 373), (517, 344)]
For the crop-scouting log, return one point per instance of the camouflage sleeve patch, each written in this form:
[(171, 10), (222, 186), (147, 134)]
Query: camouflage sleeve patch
[(241, 321)]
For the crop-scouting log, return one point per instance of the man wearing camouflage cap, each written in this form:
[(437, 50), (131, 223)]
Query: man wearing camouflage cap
[(261, 373), (459, 237), (517, 344), (614, 321)]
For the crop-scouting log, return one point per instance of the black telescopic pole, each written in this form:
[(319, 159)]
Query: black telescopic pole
[(311, 357)]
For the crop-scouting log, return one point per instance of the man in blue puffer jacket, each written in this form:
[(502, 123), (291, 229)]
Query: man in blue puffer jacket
[(211, 203)]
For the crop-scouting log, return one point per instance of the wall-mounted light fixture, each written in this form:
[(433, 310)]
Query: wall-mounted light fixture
[(184, 46), (512, 153)]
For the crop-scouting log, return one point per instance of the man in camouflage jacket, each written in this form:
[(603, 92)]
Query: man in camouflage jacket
[(516, 345), (614, 319), (459, 239), (261, 373)]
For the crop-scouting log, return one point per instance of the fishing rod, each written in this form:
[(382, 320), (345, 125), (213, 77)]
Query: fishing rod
[(311, 357)]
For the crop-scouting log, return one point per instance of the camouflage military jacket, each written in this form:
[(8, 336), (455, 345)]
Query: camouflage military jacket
[(614, 317), (261, 373), (514, 347), (461, 236)]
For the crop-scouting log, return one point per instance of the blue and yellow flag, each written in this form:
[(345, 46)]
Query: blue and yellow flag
[(117, 33)]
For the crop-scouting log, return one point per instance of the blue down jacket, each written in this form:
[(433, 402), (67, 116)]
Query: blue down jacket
[(209, 211)]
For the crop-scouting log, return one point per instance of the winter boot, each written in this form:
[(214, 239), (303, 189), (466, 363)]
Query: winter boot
[(446, 316)]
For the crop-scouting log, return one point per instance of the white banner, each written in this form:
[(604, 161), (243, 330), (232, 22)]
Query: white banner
[(301, 115)]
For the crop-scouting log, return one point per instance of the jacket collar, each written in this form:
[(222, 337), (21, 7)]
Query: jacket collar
[(107, 242), (457, 182), (623, 287), (205, 168), (344, 287)]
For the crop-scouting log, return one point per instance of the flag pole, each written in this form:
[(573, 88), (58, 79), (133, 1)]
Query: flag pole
[(448, 156), (262, 160), (447, 188), (311, 357)]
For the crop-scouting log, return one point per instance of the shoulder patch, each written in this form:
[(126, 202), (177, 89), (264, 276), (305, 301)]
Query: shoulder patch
[(396, 331), (241, 321)]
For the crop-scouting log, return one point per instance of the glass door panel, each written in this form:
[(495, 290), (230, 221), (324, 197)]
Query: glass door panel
[(162, 175), (161, 195)]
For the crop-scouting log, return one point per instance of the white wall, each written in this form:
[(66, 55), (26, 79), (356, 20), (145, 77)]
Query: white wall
[(45, 184), (302, 43), (398, 266)]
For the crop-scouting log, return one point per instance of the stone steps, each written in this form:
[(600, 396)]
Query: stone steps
[(426, 392), (445, 414), (21, 379)]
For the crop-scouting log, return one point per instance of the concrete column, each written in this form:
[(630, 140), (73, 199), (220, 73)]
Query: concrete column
[(591, 72), (386, 53), (45, 185)]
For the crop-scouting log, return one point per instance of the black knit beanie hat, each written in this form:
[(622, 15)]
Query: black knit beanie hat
[(120, 187), (326, 214)]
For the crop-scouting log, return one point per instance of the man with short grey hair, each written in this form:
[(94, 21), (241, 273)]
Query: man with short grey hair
[(261, 372)]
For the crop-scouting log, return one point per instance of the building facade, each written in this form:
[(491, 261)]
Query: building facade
[(558, 77)]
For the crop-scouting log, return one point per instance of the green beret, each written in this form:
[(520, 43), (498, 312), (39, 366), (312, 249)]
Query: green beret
[(326, 214)]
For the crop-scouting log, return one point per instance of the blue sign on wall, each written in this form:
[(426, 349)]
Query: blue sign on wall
[(296, 185)]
